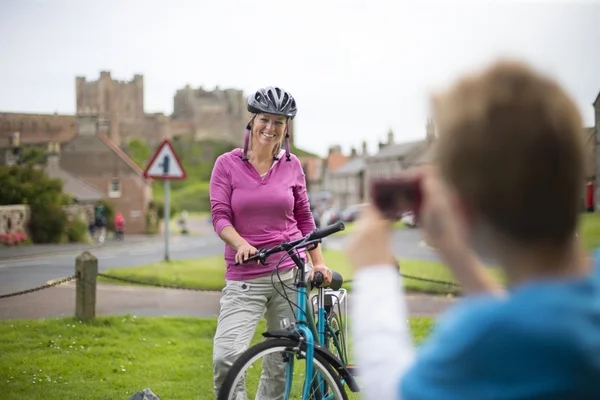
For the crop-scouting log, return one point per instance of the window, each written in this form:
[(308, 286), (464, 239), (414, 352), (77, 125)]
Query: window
[(114, 188)]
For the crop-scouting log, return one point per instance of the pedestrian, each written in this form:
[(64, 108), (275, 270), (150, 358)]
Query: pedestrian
[(258, 199), (119, 226), (100, 221), (508, 137)]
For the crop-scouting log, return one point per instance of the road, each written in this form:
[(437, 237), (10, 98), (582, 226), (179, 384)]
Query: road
[(25, 273)]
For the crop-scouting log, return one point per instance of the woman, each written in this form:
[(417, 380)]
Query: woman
[(258, 200)]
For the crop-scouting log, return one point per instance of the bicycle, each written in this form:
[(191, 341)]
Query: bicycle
[(302, 338)]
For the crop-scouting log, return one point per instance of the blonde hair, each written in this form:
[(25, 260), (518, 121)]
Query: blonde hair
[(511, 144)]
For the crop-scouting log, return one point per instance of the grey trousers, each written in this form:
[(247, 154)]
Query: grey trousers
[(243, 304)]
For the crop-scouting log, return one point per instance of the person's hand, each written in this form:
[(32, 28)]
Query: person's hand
[(369, 244), (244, 252), (439, 217), (327, 275)]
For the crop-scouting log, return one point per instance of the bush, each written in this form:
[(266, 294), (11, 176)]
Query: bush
[(31, 186), (78, 231), (109, 208), (48, 223), (139, 152), (14, 239), (159, 207), (193, 197)]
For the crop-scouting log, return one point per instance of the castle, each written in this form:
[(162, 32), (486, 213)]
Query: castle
[(217, 114)]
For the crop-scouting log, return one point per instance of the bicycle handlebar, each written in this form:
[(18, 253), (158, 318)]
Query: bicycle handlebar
[(312, 238)]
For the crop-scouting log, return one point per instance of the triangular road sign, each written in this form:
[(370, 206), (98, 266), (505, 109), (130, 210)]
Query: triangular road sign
[(165, 164)]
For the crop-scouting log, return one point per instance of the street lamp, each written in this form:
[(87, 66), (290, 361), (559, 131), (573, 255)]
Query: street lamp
[(15, 145)]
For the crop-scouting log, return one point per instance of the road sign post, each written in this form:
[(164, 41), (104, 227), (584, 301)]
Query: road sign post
[(166, 166)]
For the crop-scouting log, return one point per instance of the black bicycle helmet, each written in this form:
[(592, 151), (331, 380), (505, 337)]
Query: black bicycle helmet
[(272, 100)]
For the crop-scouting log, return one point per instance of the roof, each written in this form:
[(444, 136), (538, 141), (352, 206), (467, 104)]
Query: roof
[(397, 150), (77, 188), (597, 101), (313, 166), (426, 156), (589, 133), (122, 155), (352, 167), (335, 161)]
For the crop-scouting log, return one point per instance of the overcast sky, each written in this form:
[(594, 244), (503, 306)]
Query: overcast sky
[(356, 68)]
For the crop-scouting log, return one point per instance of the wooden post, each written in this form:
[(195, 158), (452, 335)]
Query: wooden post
[(86, 268)]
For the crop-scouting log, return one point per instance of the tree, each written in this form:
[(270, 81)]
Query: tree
[(44, 196)]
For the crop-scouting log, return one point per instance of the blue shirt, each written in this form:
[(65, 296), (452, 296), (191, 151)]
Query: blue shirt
[(541, 342)]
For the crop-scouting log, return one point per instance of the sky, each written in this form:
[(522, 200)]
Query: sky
[(356, 68)]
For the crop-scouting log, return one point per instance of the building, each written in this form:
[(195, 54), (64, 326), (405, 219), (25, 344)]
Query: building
[(394, 158), (92, 167), (347, 183), (217, 114)]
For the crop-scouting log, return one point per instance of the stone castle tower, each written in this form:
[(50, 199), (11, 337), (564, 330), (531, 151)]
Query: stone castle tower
[(117, 102), (217, 114)]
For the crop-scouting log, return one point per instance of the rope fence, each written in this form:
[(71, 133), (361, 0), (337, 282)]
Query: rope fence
[(178, 287)]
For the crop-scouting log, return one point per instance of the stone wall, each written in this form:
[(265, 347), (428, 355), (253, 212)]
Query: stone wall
[(37, 128), (211, 114), (90, 159), (14, 218), (107, 97)]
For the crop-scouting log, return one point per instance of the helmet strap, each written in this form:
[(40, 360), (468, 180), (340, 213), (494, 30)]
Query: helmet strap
[(247, 138), (287, 142)]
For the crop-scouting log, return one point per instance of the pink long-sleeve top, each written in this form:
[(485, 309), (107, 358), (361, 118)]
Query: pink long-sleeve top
[(264, 211)]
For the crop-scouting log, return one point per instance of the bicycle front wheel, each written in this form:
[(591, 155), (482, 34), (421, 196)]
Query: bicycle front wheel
[(282, 367)]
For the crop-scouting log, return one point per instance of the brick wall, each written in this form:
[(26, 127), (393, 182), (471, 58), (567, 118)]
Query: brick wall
[(89, 158), (37, 128)]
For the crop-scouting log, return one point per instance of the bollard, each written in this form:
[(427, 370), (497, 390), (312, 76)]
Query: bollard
[(86, 268)]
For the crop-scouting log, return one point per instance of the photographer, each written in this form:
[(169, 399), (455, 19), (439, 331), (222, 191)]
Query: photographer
[(508, 136)]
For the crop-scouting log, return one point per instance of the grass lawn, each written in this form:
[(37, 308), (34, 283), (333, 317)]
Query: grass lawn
[(590, 230), (208, 273), (114, 357)]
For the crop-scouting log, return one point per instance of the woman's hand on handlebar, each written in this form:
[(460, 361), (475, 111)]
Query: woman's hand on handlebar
[(327, 276), (244, 252)]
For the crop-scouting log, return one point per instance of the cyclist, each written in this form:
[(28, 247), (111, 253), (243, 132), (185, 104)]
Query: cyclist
[(258, 199), (508, 136)]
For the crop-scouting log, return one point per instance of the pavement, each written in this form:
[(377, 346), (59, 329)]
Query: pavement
[(155, 302), (29, 271)]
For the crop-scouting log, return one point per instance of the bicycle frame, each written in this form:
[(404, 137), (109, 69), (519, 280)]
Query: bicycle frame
[(305, 326)]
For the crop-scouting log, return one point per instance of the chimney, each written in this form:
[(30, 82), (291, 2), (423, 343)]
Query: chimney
[(353, 152), (337, 149), (53, 156), (381, 145), (103, 127), (390, 137), (364, 148)]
